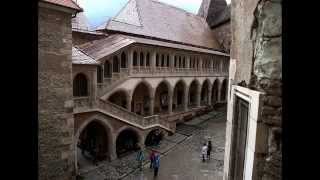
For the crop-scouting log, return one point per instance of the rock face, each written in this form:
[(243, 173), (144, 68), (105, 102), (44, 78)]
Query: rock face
[(267, 70), (55, 104), (223, 35), (217, 15), (256, 47)]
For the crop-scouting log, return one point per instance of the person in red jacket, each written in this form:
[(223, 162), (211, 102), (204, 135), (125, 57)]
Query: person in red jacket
[(152, 155)]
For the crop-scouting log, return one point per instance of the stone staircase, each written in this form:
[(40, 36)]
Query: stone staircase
[(109, 84), (134, 119)]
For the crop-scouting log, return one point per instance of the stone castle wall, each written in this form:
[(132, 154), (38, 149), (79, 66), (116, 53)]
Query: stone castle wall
[(55, 104), (256, 48), (267, 77)]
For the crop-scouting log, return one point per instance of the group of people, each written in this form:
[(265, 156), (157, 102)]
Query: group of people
[(154, 161), (206, 151)]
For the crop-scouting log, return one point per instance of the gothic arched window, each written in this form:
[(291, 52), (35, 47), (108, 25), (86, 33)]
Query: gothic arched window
[(123, 60), (80, 85)]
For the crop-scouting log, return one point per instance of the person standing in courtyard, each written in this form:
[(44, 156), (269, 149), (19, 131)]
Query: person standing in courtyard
[(156, 164), (140, 158), (209, 149), (152, 156), (204, 152)]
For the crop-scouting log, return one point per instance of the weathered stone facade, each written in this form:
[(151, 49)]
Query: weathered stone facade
[(256, 52), (267, 77), (217, 15), (55, 104)]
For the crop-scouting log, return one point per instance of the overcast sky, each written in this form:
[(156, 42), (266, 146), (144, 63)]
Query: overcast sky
[(98, 11)]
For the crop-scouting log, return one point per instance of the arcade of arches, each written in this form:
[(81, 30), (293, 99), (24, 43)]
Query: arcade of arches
[(105, 140), (159, 85), (146, 101), (164, 99)]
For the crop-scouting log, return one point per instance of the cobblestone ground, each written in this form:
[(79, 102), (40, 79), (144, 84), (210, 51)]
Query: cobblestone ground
[(180, 154)]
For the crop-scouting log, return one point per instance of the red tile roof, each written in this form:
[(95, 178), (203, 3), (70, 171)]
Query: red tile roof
[(66, 3)]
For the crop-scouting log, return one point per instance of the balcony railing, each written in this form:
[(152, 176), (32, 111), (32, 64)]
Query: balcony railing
[(168, 71), (83, 104)]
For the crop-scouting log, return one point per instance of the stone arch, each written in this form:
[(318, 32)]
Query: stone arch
[(146, 83), (127, 139), (120, 98), (141, 97), (194, 93), (80, 85), (206, 86), (161, 96), (109, 138), (179, 95), (215, 91)]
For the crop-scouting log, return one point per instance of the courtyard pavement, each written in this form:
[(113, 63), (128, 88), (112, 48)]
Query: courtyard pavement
[(180, 154)]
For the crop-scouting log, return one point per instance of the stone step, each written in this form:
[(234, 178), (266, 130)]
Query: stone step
[(185, 129), (176, 138)]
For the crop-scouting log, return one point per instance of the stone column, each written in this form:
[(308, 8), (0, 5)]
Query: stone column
[(113, 147), (138, 60), (170, 96), (145, 59), (200, 64), (186, 99), (130, 60), (187, 62), (219, 92), (94, 86), (209, 95), (153, 60), (221, 66), (211, 64), (102, 71), (171, 65), (198, 96), (151, 105)]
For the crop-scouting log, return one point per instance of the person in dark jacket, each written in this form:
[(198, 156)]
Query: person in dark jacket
[(209, 149), (156, 164)]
